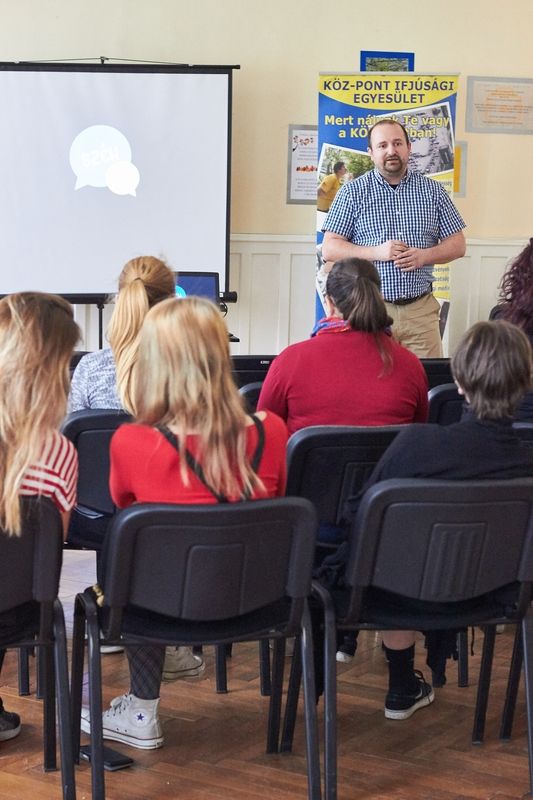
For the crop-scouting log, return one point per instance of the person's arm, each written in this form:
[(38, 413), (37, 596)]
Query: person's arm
[(336, 247), (448, 249), (273, 395)]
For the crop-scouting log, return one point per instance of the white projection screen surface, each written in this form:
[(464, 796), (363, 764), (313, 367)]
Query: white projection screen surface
[(100, 164)]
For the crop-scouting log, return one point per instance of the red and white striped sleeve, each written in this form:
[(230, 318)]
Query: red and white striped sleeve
[(55, 474)]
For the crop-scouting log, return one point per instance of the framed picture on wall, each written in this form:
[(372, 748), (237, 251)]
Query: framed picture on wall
[(384, 61)]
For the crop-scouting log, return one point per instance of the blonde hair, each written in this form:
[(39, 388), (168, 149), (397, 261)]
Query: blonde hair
[(185, 364), (143, 282), (37, 337)]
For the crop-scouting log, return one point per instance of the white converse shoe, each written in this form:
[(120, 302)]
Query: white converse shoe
[(130, 720), (180, 662)]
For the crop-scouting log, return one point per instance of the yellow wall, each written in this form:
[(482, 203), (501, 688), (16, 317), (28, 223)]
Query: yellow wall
[(281, 46)]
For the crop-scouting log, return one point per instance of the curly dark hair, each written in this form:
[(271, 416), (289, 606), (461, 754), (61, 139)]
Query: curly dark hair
[(516, 291)]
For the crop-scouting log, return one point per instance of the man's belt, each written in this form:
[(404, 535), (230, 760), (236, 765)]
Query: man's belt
[(405, 301)]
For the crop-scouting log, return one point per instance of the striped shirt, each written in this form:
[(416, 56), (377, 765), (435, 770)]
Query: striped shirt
[(55, 474), (369, 211)]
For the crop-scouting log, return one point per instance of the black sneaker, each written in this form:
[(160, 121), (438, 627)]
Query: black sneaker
[(402, 706), (9, 724)]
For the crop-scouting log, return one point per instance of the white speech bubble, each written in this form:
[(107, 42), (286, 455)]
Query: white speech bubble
[(122, 177), (93, 151)]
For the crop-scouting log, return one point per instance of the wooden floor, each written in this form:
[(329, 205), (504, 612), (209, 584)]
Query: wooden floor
[(214, 744)]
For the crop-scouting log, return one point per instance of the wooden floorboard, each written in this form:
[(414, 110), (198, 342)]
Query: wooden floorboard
[(215, 744)]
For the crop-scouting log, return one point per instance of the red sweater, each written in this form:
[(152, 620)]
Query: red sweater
[(338, 378), (145, 466)]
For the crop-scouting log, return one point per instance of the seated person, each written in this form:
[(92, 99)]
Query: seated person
[(188, 402), (492, 368), (103, 379), (37, 337), (516, 305), (351, 371)]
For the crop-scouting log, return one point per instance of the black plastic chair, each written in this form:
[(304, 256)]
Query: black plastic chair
[(326, 464), (200, 572), (524, 430), (90, 431), (446, 405), (329, 463), (466, 540), (251, 392), (30, 566)]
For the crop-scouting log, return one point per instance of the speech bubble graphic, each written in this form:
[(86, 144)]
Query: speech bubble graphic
[(122, 177), (93, 151)]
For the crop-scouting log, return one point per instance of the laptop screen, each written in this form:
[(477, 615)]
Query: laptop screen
[(202, 284)]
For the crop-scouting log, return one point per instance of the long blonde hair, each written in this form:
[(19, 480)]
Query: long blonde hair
[(37, 337), (185, 382), (143, 282)]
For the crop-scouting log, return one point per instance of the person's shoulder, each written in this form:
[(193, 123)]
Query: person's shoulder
[(404, 356), (97, 360), (430, 184), (361, 183), (133, 432)]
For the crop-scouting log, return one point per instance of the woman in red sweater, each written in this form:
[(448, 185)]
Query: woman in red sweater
[(188, 411), (351, 371)]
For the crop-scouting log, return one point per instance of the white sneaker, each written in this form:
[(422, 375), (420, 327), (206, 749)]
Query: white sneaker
[(181, 662), (129, 720), (344, 658)]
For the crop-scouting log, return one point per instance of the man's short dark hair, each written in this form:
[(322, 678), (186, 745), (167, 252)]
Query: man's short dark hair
[(386, 121), (493, 366), (338, 165)]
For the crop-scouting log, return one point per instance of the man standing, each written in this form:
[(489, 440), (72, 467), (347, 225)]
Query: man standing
[(330, 186), (405, 223)]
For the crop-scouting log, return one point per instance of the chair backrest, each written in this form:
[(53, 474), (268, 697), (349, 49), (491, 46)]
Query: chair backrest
[(438, 371), (443, 541), (210, 562), (251, 392), (445, 404), (248, 369), (329, 463), (90, 431), (30, 564)]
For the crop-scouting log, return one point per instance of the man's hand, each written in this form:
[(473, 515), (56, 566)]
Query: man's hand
[(389, 251), (411, 258)]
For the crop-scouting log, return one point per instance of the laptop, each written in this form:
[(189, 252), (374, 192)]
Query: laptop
[(201, 284)]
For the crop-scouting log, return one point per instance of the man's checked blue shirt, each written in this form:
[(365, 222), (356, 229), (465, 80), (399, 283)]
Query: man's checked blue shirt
[(369, 211)]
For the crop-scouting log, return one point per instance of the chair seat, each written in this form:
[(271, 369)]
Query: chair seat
[(394, 612), (155, 628)]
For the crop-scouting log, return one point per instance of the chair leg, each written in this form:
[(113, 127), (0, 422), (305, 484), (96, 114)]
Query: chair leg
[(220, 669), (512, 686), (95, 705), (484, 684), (291, 705), (330, 701), (462, 663), (264, 668), (45, 659), (39, 693), (311, 728), (63, 704), (274, 713), (527, 633), (24, 671), (78, 649)]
